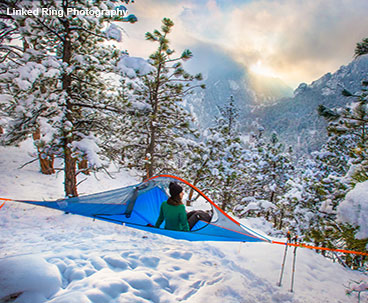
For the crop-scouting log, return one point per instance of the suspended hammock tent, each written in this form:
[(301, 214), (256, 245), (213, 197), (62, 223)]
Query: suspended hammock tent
[(138, 206)]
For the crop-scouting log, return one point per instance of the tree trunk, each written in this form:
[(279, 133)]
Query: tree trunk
[(281, 219), (225, 201), (154, 103), (190, 197), (151, 151), (70, 180), (46, 160), (195, 182), (70, 177), (46, 163), (83, 167), (147, 167), (227, 197), (272, 197), (191, 193)]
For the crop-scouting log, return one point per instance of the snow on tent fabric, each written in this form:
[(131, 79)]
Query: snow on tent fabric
[(138, 206)]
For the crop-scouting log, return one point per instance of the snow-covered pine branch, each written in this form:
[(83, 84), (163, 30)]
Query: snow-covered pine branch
[(59, 85)]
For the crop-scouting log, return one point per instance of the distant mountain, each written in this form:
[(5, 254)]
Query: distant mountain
[(296, 119), (269, 89), (224, 77), (268, 102)]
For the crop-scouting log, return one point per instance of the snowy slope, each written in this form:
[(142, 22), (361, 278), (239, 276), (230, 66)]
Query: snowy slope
[(49, 256)]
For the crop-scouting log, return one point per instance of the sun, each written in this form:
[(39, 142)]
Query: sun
[(260, 69)]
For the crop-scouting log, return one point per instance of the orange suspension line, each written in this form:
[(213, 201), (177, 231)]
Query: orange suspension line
[(322, 248), (2, 199)]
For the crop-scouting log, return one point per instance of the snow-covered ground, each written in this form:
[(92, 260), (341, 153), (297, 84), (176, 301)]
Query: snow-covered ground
[(49, 256)]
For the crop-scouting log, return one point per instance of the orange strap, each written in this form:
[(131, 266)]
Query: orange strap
[(322, 248), (4, 202)]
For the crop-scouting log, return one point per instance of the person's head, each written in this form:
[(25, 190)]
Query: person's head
[(176, 191)]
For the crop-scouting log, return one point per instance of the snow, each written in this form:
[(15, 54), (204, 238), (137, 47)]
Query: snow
[(354, 209), (88, 147), (254, 205), (133, 66), (114, 32), (39, 279), (4, 98), (49, 256), (326, 207), (233, 85)]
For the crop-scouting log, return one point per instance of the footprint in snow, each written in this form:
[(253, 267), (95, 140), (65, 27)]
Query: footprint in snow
[(151, 262), (98, 263), (116, 261), (164, 284), (181, 255), (143, 285), (112, 287), (198, 284)]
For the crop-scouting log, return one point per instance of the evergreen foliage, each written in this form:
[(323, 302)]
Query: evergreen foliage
[(58, 85), (161, 130), (342, 164), (225, 158), (272, 167), (361, 48)]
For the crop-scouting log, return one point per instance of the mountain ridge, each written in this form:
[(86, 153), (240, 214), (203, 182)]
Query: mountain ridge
[(296, 119)]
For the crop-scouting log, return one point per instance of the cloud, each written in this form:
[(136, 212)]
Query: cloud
[(150, 14), (298, 41)]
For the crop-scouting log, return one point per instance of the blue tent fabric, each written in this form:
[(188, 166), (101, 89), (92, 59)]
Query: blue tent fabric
[(138, 207)]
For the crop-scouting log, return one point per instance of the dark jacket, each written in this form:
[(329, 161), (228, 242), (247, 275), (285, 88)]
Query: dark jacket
[(173, 213)]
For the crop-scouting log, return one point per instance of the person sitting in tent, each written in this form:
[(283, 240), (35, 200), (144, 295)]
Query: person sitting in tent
[(173, 210)]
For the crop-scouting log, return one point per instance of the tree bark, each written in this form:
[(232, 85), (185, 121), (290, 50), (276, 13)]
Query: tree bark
[(83, 167), (46, 163), (151, 151), (46, 160), (70, 177), (70, 180), (191, 192), (272, 197), (225, 202), (154, 98)]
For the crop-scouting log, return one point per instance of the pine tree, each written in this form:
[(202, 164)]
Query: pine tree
[(361, 48), (324, 179), (344, 163), (160, 126), (197, 168), (226, 155), (58, 86), (272, 167)]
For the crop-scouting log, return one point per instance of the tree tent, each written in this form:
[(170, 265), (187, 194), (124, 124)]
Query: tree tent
[(138, 206)]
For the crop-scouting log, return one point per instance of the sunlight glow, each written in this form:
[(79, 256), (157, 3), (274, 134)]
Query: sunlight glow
[(260, 69)]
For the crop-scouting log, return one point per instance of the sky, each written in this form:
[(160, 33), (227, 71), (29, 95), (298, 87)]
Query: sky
[(293, 40)]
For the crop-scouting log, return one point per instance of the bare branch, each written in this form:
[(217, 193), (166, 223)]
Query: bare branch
[(24, 165)]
